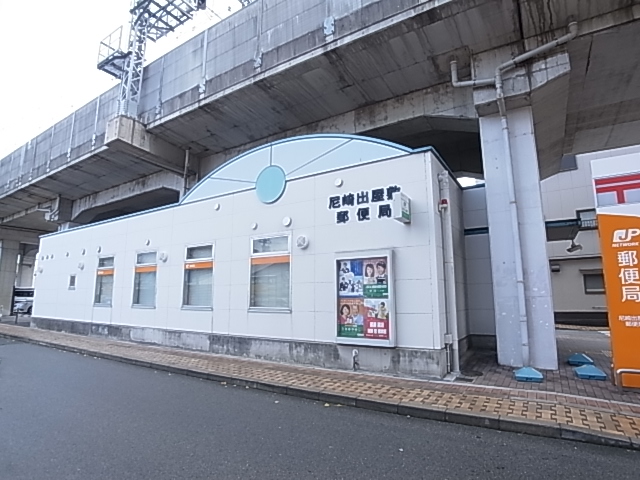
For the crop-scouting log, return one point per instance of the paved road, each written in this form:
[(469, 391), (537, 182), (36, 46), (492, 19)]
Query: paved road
[(67, 416)]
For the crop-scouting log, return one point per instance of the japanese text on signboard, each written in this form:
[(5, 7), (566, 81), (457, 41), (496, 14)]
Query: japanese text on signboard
[(366, 204), (629, 275)]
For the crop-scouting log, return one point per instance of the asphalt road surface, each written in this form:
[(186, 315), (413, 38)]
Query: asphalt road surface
[(68, 416)]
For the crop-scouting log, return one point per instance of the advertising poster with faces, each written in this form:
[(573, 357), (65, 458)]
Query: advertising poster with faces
[(363, 298)]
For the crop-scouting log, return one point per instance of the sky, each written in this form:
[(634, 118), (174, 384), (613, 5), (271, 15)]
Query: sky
[(48, 58)]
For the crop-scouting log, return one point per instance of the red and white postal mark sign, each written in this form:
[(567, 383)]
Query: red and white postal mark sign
[(617, 191)]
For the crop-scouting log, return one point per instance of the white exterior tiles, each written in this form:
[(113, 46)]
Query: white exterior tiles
[(563, 196), (478, 276), (417, 255)]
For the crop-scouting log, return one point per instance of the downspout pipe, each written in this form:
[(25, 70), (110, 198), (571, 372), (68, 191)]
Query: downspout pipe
[(497, 82), (187, 156), (449, 272), (493, 82), (487, 82)]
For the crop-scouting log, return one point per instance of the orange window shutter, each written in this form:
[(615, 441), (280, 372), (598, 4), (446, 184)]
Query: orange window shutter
[(146, 269), (198, 265), (270, 260)]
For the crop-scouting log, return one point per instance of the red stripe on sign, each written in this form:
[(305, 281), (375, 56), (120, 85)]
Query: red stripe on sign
[(634, 177), (619, 190)]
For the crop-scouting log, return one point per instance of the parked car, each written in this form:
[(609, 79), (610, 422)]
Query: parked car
[(23, 300)]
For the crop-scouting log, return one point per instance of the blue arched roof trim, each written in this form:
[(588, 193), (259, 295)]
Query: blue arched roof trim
[(226, 184), (402, 150)]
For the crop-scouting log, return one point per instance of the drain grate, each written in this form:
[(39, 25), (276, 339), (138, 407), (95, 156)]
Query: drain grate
[(465, 379)]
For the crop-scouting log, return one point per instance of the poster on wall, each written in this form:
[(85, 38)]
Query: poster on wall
[(351, 282), (364, 301)]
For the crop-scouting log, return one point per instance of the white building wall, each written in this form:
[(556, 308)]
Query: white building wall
[(479, 283), (459, 250), (569, 294), (417, 256), (563, 195)]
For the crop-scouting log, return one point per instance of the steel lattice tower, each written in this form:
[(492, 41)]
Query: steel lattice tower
[(150, 20)]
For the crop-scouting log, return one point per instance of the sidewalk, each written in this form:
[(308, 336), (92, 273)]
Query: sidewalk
[(543, 413), (482, 369)]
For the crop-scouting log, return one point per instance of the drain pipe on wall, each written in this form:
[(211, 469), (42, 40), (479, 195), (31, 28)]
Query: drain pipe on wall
[(497, 83), (187, 155), (451, 335)]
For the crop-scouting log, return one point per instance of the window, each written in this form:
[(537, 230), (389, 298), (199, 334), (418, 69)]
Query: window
[(104, 281), (198, 277), (593, 283), (144, 281), (270, 273), (588, 219), (105, 262), (72, 282)]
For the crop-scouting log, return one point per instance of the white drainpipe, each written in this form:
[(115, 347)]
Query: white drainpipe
[(451, 337), (187, 156), (497, 82)]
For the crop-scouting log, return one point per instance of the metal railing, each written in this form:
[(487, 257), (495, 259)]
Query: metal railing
[(588, 224), (111, 56)]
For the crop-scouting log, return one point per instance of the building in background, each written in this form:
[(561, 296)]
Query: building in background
[(568, 202)]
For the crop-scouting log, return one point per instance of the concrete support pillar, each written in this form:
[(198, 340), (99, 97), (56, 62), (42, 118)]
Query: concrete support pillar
[(61, 211), (9, 251), (504, 245), (26, 266)]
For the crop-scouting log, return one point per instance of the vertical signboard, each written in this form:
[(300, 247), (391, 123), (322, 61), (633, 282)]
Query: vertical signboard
[(617, 192), (364, 299)]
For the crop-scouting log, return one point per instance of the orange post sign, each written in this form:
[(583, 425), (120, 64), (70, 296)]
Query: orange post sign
[(620, 244)]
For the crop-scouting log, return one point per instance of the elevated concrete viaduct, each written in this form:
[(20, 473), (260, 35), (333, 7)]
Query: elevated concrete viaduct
[(373, 67)]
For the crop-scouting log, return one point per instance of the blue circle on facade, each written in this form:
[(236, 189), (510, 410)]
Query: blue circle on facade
[(270, 184)]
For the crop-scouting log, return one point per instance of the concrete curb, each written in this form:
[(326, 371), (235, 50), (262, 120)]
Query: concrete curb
[(442, 414)]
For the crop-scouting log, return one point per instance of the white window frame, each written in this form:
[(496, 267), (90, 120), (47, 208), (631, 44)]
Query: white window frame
[(198, 260), (155, 287), (75, 281), (113, 274), (588, 291), (265, 255)]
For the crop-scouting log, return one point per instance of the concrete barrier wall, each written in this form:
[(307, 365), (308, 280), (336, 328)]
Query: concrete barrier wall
[(73, 137)]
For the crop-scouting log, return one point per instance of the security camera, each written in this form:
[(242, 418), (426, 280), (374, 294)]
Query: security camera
[(574, 247)]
